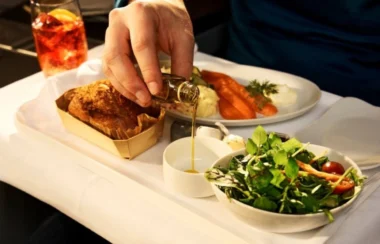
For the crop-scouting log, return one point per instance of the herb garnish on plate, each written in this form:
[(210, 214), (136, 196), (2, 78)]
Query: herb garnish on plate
[(266, 88), (261, 91)]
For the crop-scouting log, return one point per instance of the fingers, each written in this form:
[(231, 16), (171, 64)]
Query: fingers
[(138, 32), (144, 40), (183, 54), (117, 63)]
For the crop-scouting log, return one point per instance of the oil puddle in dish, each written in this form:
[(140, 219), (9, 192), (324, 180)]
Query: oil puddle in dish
[(203, 159)]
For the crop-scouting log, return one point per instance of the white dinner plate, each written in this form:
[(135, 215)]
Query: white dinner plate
[(308, 93), (350, 126)]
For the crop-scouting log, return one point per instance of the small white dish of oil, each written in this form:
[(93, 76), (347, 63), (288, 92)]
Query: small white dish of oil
[(177, 159)]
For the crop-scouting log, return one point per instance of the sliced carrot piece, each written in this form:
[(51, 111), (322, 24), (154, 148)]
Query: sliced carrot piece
[(237, 102), (264, 107), (228, 111), (213, 79), (268, 110)]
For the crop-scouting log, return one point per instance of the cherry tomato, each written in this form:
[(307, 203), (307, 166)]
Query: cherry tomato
[(333, 168), (345, 185)]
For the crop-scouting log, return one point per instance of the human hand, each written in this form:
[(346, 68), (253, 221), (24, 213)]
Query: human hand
[(139, 31)]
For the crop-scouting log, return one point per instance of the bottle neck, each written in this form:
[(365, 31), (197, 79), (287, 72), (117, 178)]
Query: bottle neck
[(176, 89), (188, 93)]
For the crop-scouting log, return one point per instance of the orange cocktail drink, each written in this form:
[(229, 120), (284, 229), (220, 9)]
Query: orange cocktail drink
[(60, 40)]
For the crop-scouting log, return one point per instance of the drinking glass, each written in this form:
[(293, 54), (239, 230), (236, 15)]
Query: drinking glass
[(59, 35)]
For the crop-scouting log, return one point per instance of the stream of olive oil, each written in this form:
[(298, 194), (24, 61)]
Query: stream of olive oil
[(178, 90), (192, 170)]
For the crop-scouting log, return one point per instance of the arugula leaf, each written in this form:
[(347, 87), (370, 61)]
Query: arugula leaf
[(248, 201), (234, 193), (320, 162), (259, 136), (291, 144), (217, 176), (299, 193), (359, 181), (251, 147), (281, 158), (251, 171), (274, 140), (265, 147), (259, 166), (284, 200), (313, 185), (305, 156), (331, 201), (265, 204), (311, 204), (291, 169), (329, 215), (233, 164), (249, 183), (353, 176), (239, 177), (271, 192), (347, 195), (278, 177), (297, 203), (262, 180)]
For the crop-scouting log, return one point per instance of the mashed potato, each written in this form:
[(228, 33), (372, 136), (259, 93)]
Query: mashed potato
[(286, 96), (207, 103)]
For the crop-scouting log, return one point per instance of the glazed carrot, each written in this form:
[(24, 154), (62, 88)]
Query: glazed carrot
[(258, 102), (211, 78), (264, 107), (228, 111), (220, 79), (223, 89), (237, 102), (268, 110)]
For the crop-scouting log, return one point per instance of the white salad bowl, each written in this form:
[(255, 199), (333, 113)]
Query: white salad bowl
[(177, 159), (283, 223)]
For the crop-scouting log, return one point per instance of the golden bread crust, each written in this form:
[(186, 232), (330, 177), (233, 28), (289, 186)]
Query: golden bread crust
[(103, 107)]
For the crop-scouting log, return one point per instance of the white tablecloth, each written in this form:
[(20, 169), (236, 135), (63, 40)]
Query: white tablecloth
[(43, 170)]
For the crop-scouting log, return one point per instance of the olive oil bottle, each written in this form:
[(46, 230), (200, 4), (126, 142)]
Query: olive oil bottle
[(177, 89)]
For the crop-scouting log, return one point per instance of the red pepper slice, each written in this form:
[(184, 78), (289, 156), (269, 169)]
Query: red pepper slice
[(345, 185)]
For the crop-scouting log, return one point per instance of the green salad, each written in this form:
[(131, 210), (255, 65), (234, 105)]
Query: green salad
[(284, 177)]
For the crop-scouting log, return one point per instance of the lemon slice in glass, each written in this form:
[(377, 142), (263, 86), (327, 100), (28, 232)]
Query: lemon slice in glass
[(63, 14)]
